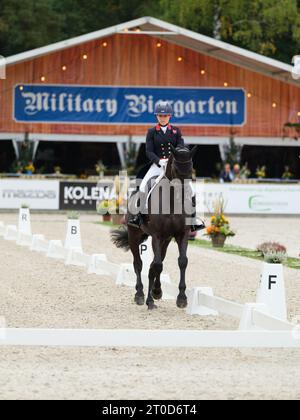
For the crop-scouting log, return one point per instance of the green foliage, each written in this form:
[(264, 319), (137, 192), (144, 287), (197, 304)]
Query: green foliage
[(264, 26), (73, 215)]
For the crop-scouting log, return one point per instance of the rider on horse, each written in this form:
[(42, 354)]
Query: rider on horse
[(159, 142)]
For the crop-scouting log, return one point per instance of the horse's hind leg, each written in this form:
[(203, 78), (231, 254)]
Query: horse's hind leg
[(156, 291), (134, 242), (155, 270)]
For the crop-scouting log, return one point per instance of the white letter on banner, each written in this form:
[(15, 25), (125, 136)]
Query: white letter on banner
[(211, 104), (179, 109), (88, 105), (111, 107), (78, 103), (219, 107), (137, 105), (231, 107), (61, 105), (201, 107), (30, 103), (190, 107), (99, 107)]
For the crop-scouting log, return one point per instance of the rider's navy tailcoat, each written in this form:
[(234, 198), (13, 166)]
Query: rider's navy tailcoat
[(158, 143)]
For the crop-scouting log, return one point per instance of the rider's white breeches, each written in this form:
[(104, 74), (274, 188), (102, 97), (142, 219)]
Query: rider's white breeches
[(155, 171)]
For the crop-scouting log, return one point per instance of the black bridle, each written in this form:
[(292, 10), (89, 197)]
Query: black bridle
[(183, 167)]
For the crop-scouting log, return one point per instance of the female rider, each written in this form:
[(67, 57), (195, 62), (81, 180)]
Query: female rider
[(158, 150)]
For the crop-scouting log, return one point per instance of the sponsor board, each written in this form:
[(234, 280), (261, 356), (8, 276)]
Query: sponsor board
[(39, 195), (252, 199), (83, 195)]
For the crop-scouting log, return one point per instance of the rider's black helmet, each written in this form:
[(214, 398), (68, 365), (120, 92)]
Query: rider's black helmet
[(163, 107)]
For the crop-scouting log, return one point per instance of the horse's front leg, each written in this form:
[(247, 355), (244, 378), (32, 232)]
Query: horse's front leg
[(156, 268), (182, 242), (157, 291)]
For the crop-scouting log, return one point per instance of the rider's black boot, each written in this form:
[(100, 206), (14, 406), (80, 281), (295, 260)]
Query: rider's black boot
[(136, 220), (197, 224)]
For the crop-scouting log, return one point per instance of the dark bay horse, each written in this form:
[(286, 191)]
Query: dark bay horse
[(163, 228)]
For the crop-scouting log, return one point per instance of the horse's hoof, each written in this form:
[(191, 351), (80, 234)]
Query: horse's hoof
[(139, 300), (181, 303), (151, 306), (157, 294)]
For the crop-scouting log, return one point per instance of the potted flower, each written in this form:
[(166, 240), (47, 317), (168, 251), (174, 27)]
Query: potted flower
[(100, 168), (219, 228), (261, 172), (269, 248), (30, 169), (57, 170), (103, 208), (287, 174)]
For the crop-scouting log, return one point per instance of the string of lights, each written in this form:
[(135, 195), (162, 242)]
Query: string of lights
[(159, 44)]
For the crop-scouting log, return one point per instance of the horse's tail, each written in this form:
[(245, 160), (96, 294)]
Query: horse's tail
[(120, 238)]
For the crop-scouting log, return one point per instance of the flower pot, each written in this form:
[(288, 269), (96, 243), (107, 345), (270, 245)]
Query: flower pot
[(106, 217), (117, 219), (218, 241)]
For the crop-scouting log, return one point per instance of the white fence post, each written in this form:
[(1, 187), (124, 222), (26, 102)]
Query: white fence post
[(194, 308)]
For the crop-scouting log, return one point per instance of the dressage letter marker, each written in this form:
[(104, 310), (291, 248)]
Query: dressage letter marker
[(73, 238), (24, 221), (271, 290), (147, 255)]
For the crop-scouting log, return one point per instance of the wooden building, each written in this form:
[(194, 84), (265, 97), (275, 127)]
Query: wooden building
[(150, 53)]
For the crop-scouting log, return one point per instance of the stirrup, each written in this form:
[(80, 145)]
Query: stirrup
[(198, 226), (135, 221)]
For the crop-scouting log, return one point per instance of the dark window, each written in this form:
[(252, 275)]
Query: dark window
[(75, 157), (275, 158), (7, 155)]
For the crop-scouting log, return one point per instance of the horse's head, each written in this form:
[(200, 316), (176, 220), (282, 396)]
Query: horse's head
[(181, 163)]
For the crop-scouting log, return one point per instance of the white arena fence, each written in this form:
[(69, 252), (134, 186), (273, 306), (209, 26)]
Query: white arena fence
[(257, 326)]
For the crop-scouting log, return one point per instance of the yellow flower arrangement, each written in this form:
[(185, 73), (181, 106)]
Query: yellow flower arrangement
[(30, 169), (219, 223)]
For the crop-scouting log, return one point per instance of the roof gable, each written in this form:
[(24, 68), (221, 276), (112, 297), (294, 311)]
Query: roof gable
[(179, 36)]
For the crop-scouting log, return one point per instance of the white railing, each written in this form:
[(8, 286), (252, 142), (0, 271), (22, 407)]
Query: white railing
[(276, 332)]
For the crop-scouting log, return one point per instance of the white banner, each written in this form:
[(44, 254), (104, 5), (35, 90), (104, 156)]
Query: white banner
[(39, 195), (251, 198)]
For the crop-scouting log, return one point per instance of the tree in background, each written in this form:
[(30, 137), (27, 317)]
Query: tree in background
[(27, 24), (264, 26)]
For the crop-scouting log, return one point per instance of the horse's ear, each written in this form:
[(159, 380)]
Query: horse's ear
[(193, 151)]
